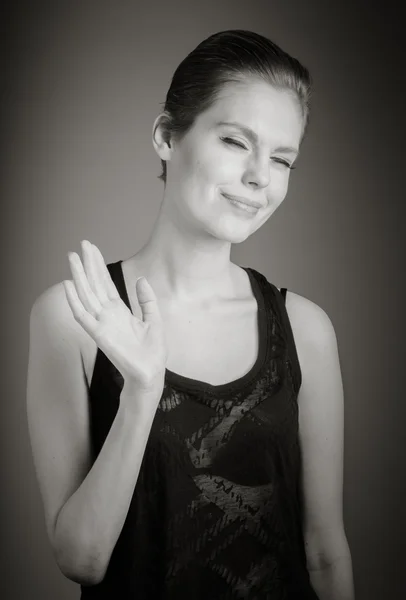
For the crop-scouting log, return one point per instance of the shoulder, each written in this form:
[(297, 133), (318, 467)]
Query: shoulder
[(51, 315), (51, 304), (314, 336), (311, 325)]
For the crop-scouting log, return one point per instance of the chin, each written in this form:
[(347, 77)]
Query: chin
[(233, 235), (240, 237)]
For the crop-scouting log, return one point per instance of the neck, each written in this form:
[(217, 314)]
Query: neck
[(186, 265)]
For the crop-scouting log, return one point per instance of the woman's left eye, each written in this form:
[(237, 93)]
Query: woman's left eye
[(228, 140), (284, 162)]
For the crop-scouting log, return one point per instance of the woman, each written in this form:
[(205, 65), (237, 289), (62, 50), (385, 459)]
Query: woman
[(164, 390)]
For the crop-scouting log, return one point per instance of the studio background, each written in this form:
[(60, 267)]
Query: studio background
[(84, 83)]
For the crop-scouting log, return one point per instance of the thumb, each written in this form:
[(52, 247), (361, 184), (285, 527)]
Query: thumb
[(147, 301)]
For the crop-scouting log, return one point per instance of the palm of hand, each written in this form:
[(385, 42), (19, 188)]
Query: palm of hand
[(136, 347), (132, 345)]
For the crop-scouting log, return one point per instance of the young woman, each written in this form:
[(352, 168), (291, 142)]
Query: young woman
[(186, 415)]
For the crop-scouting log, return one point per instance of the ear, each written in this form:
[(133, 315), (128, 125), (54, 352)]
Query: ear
[(161, 136)]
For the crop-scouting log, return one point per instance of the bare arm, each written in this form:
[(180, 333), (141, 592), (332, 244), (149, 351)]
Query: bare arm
[(85, 505), (90, 522), (321, 426)]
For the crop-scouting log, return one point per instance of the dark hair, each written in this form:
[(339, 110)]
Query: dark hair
[(225, 57)]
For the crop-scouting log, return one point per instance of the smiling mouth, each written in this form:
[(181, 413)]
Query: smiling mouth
[(239, 204)]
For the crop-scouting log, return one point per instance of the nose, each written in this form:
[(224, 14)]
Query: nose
[(257, 172)]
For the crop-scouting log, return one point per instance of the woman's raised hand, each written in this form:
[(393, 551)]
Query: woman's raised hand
[(137, 348)]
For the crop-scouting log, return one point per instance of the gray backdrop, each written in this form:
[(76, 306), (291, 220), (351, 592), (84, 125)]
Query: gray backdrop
[(84, 83)]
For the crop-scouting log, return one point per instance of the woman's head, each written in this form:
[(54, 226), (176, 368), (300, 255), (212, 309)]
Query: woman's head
[(232, 77), (227, 57)]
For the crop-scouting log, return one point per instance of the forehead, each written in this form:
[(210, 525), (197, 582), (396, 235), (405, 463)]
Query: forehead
[(268, 111)]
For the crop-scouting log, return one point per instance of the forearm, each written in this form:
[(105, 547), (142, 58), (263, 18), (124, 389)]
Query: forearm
[(334, 581), (90, 522)]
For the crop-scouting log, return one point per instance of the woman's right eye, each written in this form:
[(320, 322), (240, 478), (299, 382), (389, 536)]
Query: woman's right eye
[(228, 140)]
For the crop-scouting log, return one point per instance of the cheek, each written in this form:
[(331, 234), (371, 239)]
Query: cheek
[(199, 166), (281, 180), (278, 187), (210, 170)]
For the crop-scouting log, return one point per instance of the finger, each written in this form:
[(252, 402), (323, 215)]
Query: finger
[(147, 300), (92, 272), (87, 297), (104, 273), (79, 312)]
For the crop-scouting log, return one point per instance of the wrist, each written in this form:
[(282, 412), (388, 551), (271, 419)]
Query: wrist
[(142, 398), (150, 388)]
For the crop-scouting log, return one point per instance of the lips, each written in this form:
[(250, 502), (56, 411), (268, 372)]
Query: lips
[(243, 200)]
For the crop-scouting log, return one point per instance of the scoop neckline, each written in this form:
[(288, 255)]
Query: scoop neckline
[(187, 383)]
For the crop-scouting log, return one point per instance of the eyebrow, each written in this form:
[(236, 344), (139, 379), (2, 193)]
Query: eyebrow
[(253, 136)]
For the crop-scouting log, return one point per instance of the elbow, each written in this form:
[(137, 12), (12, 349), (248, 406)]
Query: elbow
[(85, 577), (79, 564), (326, 547)]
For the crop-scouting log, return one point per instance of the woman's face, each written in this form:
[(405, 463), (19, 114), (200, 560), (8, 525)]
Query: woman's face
[(215, 158)]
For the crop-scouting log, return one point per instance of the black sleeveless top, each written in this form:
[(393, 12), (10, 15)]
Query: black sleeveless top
[(216, 512)]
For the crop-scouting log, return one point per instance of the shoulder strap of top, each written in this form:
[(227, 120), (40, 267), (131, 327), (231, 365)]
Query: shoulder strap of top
[(116, 272), (294, 359), (279, 301)]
